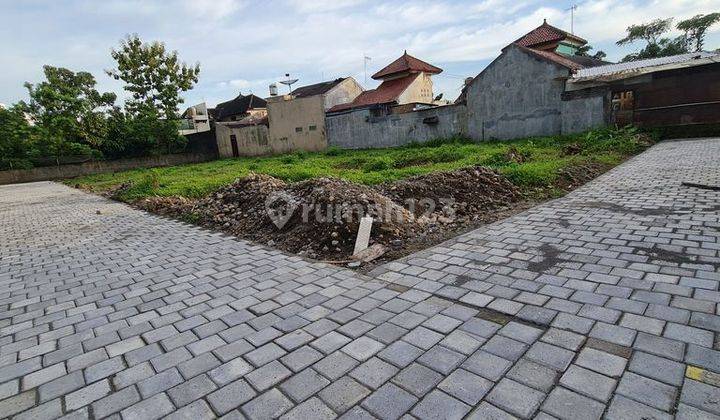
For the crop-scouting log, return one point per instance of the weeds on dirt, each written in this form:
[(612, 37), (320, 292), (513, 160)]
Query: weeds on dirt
[(535, 165)]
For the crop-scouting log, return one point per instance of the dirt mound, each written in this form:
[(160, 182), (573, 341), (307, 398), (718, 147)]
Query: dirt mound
[(463, 192), (319, 218)]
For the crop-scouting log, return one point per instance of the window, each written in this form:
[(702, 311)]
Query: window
[(312, 128), (298, 129)]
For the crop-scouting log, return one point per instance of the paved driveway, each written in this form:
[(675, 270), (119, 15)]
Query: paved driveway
[(603, 303)]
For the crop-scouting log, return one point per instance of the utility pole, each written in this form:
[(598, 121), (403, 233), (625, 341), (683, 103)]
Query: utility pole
[(365, 61), (572, 10)]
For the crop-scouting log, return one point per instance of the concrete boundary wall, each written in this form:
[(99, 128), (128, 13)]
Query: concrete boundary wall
[(47, 173), (360, 130)]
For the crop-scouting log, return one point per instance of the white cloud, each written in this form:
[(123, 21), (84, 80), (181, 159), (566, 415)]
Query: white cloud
[(213, 9), (319, 6)]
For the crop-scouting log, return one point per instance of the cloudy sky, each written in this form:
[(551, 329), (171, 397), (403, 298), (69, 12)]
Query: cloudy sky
[(244, 45)]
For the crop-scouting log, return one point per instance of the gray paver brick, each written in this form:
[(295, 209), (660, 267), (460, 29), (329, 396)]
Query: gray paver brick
[(159, 383), (567, 405), (647, 391), (310, 409), (131, 286), (417, 379), (231, 396), (466, 386), (115, 402), (438, 404), (152, 408), (588, 383), (389, 402), (343, 393), (191, 390), (306, 383), (515, 398)]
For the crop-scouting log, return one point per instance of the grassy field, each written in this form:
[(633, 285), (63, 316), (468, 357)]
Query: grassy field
[(529, 163)]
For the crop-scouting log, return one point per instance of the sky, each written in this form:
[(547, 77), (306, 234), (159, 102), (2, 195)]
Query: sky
[(243, 46)]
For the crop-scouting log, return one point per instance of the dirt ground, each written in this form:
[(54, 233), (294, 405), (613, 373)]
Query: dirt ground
[(319, 218)]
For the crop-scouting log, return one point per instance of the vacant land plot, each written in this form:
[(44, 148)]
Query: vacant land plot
[(529, 163), (419, 195)]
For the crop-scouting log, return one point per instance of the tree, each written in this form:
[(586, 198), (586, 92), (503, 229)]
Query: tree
[(154, 77), (585, 50), (656, 45), (68, 111), (649, 32), (15, 139), (695, 29)]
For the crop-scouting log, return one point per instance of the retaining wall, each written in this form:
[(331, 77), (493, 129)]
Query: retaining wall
[(47, 173)]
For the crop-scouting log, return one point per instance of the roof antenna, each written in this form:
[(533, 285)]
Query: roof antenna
[(572, 10)]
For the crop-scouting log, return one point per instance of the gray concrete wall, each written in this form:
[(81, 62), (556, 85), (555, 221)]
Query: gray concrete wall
[(252, 140), (47, 173), (583, 114), (517, 95), (359, 130)]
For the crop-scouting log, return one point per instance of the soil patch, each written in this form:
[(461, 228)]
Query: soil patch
[(319, 218)]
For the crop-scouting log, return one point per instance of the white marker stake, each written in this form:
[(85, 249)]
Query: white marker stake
[(363, 236)]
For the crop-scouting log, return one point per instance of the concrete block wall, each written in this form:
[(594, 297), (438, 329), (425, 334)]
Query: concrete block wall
[(517, 95), (359, 130), (47, 173)]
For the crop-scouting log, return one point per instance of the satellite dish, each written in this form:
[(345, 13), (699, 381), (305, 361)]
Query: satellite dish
[(288, 82)]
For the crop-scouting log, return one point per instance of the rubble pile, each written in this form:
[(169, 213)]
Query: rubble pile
[(319, 218)]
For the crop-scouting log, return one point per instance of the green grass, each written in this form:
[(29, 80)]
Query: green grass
[(542, 159)]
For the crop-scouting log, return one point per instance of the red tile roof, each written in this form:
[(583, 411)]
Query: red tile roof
[(406, 63), (546, 34), (389, 91), (553, 57)]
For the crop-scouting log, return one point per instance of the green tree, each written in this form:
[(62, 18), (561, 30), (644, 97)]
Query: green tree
[(695, 29), (69, 112), (16, 135), (154, 76), (656, 45), (585, 50)]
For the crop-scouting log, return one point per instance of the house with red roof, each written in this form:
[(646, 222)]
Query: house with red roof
[(407, 80)]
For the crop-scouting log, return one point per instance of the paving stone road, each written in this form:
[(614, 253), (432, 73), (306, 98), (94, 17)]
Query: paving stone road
[(601, 304)]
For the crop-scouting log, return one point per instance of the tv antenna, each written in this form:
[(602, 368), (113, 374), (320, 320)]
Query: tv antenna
[(572, 10), (366, 59), (288, 82)]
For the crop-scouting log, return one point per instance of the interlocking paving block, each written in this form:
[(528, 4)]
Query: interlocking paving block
[(441, 359), (303, 385), (466, 386), (389, 402), (271, 404), (373, 373), (487, 365), (658, 368), (515, 398), (400, 353), (417, 379), (568, 405), (622, 407), (149, 307), (700, 395), (231, 396), (548, 355), (533, 375), (438, 404), (647, 391), (588, 383), (487, 411), (343, 393), (601, 362), (310, 409)]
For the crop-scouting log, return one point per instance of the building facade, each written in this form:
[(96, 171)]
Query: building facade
[(297, 121)]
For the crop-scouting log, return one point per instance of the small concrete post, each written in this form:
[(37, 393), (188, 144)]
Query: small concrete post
[(363, 236)]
